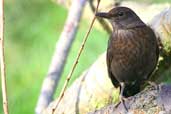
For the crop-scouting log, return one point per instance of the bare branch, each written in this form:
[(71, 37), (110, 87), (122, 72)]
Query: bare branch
[(103, 23), (2, 57), (76, 62)]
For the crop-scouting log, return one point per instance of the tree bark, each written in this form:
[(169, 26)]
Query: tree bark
[(153, 100)]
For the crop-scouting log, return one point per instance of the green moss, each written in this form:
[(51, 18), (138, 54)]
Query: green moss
[(97, 104), (167, 44)]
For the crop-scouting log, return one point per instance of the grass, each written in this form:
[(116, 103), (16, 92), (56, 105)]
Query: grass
[(32, 28), (30, 41)]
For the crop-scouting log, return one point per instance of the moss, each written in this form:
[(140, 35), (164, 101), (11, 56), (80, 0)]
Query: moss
[(97, 104)]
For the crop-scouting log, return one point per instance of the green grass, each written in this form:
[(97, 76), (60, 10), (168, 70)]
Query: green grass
[(32, 28), (31, 31)]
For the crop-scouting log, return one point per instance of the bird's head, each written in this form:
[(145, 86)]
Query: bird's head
[(121, 18)]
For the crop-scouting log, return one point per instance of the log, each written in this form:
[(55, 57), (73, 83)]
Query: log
[(94, 90), (153, 100), (81, 96)]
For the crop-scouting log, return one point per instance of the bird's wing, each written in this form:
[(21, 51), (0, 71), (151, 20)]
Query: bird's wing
[(109, 58), (147, 58), (156, 54)]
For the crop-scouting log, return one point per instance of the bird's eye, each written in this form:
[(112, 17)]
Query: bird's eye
[(120, 13)]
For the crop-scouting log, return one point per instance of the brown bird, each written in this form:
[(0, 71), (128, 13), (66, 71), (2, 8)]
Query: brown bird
[(132, 52)]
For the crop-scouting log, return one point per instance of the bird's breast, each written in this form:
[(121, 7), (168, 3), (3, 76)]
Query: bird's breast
[(132, 52), (126, 47)]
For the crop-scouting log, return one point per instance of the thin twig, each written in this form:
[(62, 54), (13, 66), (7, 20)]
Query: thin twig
[(101, 21), (2, 59), (76, 62), (60, 55)]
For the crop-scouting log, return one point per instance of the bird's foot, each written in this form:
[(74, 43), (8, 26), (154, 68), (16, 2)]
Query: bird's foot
[(117, 104), (155, 85), (152, 83), (122, 101)]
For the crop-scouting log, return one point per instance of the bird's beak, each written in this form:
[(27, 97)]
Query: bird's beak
[(103, 15)]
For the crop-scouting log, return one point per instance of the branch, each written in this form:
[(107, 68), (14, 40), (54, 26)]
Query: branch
[(161, 25), (102, 22), (2, 59), (59, 58), (152, 100), (75, 63)]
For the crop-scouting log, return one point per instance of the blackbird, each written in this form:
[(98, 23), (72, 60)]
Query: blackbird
[(132, 52)]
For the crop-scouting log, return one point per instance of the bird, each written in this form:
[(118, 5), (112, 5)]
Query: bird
[(132, 52)]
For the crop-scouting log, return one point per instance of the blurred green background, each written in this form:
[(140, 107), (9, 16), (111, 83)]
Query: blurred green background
[(32, 28)]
